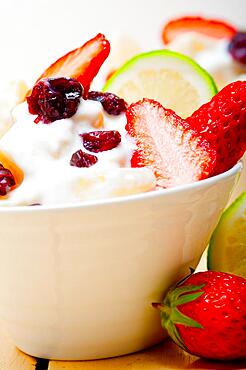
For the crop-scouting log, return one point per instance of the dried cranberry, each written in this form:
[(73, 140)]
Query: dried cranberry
[(111, 103), (6, 180), (237, 47), (82, 159), (100, 141), (54, 98)]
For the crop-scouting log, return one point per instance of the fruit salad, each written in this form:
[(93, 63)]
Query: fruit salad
[(68, 143)]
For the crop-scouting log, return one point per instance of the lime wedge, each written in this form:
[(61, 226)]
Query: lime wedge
[(227, 247), (173, 79)]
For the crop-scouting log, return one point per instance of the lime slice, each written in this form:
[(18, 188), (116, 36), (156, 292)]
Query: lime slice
[(173, 79), (227, 247)]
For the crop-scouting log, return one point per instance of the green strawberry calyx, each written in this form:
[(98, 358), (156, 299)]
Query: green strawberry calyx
[(170, 315)]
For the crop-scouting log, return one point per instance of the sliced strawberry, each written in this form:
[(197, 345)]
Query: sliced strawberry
[(82, 63), (166, 144), (209, 27), (222, 122)]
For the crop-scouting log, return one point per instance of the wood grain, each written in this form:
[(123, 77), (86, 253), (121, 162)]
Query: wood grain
[(11, 358), (163, 357)]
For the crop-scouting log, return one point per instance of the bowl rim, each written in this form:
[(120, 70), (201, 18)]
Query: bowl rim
[(235, 170)]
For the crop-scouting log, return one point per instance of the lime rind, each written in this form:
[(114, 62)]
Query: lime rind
[(165, 53), (217, 246)]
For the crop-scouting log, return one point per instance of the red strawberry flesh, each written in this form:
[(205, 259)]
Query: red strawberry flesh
[(209, 27), (82, 63), (222, 122), (165, 143)]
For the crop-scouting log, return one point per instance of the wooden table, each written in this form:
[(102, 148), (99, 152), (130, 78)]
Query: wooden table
[(165, 356)]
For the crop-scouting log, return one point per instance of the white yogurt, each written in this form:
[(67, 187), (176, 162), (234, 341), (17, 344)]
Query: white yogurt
[(11, 93), (43, 153)]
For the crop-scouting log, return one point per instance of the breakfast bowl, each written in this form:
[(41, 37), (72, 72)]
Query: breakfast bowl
[(77, 281), (80, 269)]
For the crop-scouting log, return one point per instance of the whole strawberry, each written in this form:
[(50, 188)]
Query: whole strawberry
[(222, 122), (206, 315)]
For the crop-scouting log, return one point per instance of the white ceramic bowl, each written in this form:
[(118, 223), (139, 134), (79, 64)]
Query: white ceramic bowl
[(77, 282)]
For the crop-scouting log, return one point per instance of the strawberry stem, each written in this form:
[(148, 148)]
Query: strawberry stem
[(162, 307), (170, 314)]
